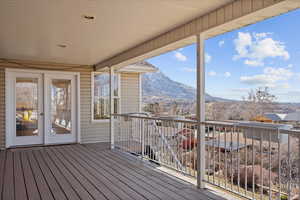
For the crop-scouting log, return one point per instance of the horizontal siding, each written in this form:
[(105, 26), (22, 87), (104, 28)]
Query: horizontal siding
[(90, 132), (130, 98), (224, 19)]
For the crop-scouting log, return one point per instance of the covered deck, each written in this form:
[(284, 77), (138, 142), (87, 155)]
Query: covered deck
[(86, 172)]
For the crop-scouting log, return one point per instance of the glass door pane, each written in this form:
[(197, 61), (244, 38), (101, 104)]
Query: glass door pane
[(61, 107), (26, 107)]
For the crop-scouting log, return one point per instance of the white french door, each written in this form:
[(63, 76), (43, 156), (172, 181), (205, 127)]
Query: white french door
[(25, 108), (60, 108), (41, 108)]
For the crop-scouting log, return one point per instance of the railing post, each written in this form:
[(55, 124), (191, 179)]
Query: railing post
[(298, 166), (142, 138), (111, 103), (200, 112)]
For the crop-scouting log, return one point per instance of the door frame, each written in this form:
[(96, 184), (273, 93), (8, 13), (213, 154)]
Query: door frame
[(8, 121)]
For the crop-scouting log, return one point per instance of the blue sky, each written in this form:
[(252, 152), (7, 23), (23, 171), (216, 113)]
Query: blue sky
[(263, 54)]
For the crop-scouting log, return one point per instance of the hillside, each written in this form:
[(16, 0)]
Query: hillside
[(158, 85)]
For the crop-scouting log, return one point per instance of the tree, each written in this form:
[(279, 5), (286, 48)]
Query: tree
[(258, 102)]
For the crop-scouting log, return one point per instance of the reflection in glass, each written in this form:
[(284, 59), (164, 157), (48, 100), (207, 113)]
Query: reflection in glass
[(101, 95), (26, 106), (61, 106)]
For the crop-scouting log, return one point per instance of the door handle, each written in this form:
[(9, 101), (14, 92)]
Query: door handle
[(41, 114)]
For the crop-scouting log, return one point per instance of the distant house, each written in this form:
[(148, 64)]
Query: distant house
[(278, 117), (295, 117), (275, 117)]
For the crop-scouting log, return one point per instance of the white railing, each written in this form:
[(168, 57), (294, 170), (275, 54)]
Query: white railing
[(254, 160)]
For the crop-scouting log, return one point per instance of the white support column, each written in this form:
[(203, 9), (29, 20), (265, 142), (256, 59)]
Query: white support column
[(111, 105), (200, 112)]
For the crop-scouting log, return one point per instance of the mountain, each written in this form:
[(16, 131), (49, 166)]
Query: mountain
[(157, 84)]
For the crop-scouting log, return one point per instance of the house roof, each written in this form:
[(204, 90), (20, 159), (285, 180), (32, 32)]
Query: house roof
[(140, 67), (275, 116), (88, 31), (295, 116)]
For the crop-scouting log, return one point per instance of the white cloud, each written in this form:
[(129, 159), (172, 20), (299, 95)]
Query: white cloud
[(212, 73), (258, 47), (179, 56), (221, 43), (227, 74), (270, 77), (242, 43), (189, 69), (290, 66), (253, 63), (207, 58), (261, 35), (269, 48)]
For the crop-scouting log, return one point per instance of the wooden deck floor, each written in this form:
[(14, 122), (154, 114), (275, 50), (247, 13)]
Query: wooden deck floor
[(86, 172)]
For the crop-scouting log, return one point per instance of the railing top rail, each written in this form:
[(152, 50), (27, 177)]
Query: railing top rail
[(157, 118), (236, 124)]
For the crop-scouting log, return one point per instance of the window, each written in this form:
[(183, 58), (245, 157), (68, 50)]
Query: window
[(100, 95)]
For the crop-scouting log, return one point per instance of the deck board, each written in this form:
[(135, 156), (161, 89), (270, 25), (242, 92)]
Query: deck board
[(86, 172), (53, 185), (19, 178), (31, 185), (8, 190), (63, 182), (2, 167), (39, 178)]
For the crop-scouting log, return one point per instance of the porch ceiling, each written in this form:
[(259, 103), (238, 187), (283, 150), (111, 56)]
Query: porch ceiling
[(56, 31)]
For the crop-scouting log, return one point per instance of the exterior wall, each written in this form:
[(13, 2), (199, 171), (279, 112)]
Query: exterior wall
[(234, 15), (130, 92), (90, 132)]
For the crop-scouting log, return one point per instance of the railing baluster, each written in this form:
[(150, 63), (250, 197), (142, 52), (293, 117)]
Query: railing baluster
[(219, 155), (190, 152), (261, 166), (253, 160), (270, 165), (298, 166), (289, 167), (238, 158), (143, 138), (231, 158), (208, 147), (245, 166), (214, 163), (225, 157), (279, 165)]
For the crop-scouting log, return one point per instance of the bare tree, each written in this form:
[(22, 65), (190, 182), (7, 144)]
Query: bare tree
[(258, 102)]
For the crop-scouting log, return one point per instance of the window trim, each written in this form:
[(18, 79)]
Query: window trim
[(92, 96)]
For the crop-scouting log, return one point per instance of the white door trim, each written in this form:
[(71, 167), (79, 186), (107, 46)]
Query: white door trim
[(8, 125)]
